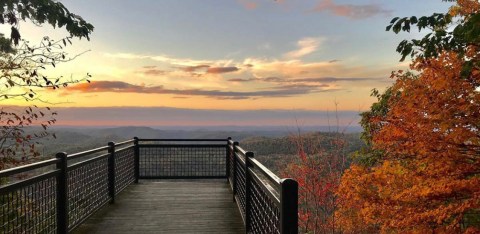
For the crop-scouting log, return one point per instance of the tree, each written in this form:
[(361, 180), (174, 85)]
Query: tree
[(21, 77), (321, 160), (425, 133)]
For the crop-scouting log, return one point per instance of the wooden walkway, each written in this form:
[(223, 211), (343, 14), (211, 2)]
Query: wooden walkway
[(170, 206)]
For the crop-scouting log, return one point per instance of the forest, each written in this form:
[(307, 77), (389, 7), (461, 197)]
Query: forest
[(419, 170)]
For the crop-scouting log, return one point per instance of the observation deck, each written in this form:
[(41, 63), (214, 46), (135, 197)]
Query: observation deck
[(149, 186)]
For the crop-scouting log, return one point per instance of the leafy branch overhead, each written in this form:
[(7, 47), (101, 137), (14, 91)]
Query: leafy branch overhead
[(449, 32), (21, 73), (40, 12)]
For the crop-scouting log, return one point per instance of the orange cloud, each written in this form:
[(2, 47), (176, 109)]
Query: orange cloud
[(249, 5), (322, 80), (350, 10), (218, 70), (154, 72), (194, 68), (123, 87)]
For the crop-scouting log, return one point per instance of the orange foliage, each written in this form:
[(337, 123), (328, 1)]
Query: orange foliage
[(464, 8), (318, 169), (429, 178)]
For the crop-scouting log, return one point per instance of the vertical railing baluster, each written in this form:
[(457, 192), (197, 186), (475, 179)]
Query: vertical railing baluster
[(111, 171), (227, 157), (248, 194), (136, 159), (289, 206), (234, 147), (62, 194)]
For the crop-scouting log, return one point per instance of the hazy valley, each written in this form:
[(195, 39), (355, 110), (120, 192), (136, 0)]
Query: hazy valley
[(273, 146)]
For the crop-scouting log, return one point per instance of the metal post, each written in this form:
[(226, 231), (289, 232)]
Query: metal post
[(235, 144), (248, 194), (111, 171), (136, 159), (289, 206), (62, 194), (227, 157)]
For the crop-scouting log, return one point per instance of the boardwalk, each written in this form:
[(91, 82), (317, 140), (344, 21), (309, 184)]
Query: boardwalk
[(74, 191), (170, 206)]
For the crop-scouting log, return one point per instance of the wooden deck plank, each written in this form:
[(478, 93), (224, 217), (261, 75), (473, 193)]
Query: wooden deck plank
[(182, 206)]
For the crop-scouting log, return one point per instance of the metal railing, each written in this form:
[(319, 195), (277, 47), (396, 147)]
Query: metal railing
[(182, 158), (57, 195), (267, 203)]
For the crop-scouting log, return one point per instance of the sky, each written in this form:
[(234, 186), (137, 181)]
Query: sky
[(290, 56)]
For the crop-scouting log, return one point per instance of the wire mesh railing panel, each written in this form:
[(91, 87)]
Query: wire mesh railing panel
[(87, 189), (265, 214), (124, 168), (82, 183), (30, 208), (240, 182), (231, 158), (182, 161)]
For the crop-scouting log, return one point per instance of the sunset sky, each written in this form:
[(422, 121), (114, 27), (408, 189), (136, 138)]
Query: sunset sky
[(298, 56)]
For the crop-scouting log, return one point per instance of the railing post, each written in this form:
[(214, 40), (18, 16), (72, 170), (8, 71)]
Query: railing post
[(248, 194), (62, 194), (227, 157), (289, 206), (136, 159), (235, 144), (111, 171)]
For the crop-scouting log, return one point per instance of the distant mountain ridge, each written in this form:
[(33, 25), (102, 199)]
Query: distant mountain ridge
[(73, 140), (270, 145)]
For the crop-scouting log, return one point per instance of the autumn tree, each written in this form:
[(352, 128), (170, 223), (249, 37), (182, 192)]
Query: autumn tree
[(21, 76), (421, 173), (318, 167)]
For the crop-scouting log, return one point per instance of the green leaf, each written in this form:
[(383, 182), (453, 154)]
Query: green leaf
[(413, 20), (394, 19)]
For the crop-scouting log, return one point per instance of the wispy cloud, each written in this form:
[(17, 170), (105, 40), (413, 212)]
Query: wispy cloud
[(123, 87), (170, 60), (248, 4), (153, 72), (266, 79), (203, 69), (183, 74), (323, 80), (298, 69), (320, 83), (302, 86), (217, 70), (194, 68), (287, 66), (240, 80), (352, 11), (334, 79), (306, 46)]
